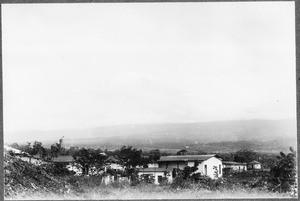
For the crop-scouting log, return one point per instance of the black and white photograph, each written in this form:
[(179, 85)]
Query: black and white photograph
[(149, 100)]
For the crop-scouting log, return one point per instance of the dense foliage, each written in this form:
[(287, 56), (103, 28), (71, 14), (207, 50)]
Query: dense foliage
[(88, 158), (245, 156), (130, 157), (283, 174)]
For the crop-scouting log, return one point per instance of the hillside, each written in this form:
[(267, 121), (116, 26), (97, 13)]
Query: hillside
[(265, 135), (22, 179)]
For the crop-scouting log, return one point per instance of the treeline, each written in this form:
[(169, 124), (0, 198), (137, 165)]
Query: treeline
[(280, 177), (91, 159)]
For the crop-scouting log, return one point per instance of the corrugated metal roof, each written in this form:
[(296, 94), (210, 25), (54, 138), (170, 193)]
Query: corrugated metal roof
[(154, 169), (112, 159), (8, 148), (186, 158), (63, 159), (233, 163), (254, 162)]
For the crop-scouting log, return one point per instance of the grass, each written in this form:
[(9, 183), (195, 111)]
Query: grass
[(147, 191)]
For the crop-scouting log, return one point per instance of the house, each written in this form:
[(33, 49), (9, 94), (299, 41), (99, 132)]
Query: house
[(153, 165), (158, 174), (209, 165), (69, 162), (24, 156), (149, 165), (235, 166), (113, 163), (11, 149), (63, 159), (254, 165)]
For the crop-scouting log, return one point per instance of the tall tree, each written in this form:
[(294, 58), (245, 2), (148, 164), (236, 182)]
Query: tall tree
[(130, 157), (154, 155), (88, 158), (57, 148), (37, 148)]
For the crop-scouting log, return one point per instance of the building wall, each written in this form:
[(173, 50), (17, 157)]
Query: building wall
[(191, 163), (257, 166), (180, 165), (31, 160), (239, 168), (153, 165), (210, 163), (157, 174), (116, 166), (254, 166)]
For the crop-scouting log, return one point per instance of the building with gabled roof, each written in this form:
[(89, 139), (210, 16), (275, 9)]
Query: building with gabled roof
[(254, 165), (235, 166), (209, 165), (158, 174), (63, 159)]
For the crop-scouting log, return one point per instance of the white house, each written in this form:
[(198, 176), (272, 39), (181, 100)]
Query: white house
[(24, 156), (113, 163), (157, 173), (209, 165), (254, 165), (15, 151)]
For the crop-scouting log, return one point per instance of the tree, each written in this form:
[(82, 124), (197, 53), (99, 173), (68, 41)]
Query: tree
[(150, 157), (99, 159), (37, 148), (201, 152), (154, 155), (245, 156), (28, 148), (15, 145), (57, 148), (283, 173), (227, 156), (72, 150), (129, 157), (88, 158), (182, 152)]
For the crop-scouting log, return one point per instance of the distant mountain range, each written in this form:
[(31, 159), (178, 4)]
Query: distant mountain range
[(263, 135)]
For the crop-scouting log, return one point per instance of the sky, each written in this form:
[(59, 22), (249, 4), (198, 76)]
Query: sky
[(89, 65)]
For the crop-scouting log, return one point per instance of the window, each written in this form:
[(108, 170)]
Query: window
[(205, 169), (220, 170)]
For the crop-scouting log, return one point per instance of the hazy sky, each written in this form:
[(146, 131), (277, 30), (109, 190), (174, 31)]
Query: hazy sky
[(86, 65)]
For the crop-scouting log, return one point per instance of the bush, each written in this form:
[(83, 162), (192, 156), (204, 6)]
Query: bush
[(57, 169), (283, 173)]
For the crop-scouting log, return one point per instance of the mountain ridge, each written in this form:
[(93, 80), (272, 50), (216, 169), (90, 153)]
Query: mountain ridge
[(172, 135)]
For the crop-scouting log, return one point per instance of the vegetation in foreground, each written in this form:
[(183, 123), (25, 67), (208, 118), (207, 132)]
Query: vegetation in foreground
[(27, 181), (93, 188)]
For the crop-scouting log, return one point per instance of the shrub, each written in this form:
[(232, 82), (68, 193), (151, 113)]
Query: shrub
[(283, 173), (57, 169)]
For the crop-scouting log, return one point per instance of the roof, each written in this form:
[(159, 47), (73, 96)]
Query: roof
[(254, 162), (154, 169), (8, 148), (112, 159), (63, 159), (186, 158), (233, 163)]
